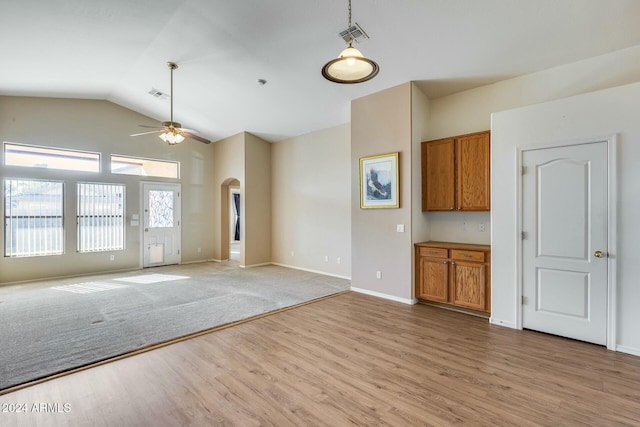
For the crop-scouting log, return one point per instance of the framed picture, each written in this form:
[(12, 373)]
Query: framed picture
[(379, 181)]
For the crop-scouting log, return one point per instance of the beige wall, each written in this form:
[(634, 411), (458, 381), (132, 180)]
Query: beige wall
[(380, 124), (103, 127), (247, 159), (420, 105), (595, 115), (257, 201), (228, 165), (311, 199)]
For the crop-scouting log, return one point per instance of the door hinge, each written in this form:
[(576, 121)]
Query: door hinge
[(523, 235), (524, 300), (523, 170)]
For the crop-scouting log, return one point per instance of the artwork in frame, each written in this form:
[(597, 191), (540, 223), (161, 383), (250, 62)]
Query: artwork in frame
[(379, 181)]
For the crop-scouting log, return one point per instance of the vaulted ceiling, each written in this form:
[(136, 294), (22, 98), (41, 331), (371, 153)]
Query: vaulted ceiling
[(117, 50)]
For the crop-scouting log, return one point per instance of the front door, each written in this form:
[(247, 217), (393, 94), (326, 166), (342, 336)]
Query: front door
[(161, 224), (565, 223)]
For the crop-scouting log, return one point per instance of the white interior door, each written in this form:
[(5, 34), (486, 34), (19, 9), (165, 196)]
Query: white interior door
[(161, 224), (564, 219)]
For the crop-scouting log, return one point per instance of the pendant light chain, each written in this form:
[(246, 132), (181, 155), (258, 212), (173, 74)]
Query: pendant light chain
[(349, 27)]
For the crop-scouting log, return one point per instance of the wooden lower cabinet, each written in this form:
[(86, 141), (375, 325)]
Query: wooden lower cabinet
[(434, 281), (454, 274)]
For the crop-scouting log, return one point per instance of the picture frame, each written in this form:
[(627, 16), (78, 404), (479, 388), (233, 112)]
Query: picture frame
[(379, 183)]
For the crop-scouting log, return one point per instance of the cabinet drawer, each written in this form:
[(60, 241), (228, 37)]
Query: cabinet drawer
[(467, 255), (434, 252)]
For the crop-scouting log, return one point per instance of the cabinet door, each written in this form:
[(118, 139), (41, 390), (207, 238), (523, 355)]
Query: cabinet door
[(434, 279), (438, 181), (468, 282), (472, 169)]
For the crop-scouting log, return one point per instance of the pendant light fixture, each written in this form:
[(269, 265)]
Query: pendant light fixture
[(350, 66)]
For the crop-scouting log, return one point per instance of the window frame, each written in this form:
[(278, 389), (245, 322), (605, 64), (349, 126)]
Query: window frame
[(56, 152), (142, 160)]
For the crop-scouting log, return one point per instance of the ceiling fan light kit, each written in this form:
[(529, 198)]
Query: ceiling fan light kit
[(351, 66), (172, 132)]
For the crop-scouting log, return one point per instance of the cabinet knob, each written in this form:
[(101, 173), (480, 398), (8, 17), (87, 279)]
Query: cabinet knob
[(453, 263), (445, 262), (459, 208)]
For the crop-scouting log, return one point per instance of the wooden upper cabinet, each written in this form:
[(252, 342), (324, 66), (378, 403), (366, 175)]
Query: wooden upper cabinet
[(455, 173), (438, 175), (472, 171)]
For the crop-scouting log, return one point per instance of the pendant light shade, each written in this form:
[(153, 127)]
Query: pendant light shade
[(351, 66)]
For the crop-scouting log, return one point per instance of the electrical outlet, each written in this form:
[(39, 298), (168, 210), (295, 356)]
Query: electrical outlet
[(199, 250), (326, 258), (378, 275), (291, 253), (112, 257), (465, 226), (338, 260), (481, 226)]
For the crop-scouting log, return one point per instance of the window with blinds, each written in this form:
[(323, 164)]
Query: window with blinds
[(100, 217), (33, 217)]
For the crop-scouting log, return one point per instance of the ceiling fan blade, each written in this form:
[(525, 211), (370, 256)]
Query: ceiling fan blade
[(147, 126), (196, 137), (146, 133), (189, 130)]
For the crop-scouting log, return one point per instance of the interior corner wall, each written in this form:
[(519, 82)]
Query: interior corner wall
[(381, 124), (470, 111), (257, 201), (312, 201), (599, 114), (228, 163), (419, 132)]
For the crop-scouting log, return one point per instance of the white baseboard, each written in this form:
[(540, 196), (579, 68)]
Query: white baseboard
[(410, 301), (629, 350), (199, 261), (324, 273), (501, 322), (256, 265)]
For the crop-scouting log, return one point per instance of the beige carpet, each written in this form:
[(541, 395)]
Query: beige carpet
[(49, 327)]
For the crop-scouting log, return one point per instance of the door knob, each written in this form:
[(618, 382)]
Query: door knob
[(598, 254)]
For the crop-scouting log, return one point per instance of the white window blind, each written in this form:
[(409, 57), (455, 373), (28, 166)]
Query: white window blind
[(33, 217), (100, 217)]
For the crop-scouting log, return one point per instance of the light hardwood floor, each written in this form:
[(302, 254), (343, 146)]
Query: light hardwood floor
[(348, 360)]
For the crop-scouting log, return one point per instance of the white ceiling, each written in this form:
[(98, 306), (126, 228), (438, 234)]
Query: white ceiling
[(118, 49)]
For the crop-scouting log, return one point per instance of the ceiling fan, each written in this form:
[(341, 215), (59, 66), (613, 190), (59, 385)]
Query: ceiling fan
[(173, 132)]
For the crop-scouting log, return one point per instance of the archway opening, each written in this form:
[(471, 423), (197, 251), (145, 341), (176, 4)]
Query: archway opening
[(231, 220)]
